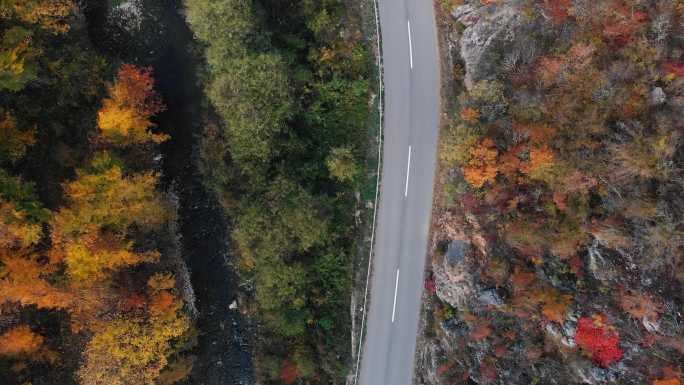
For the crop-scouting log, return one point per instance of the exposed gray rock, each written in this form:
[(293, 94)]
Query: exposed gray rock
[(128, 14), (455, 252), (600, 267), (466, 14), (661, 27), (429, 356), (489, 297), (453, 327), (560, 335), (491, 34), (453, 281), (569, 329), (658, 96), (586, 373)]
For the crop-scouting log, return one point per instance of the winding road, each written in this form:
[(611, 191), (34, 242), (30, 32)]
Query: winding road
[(411, 78)]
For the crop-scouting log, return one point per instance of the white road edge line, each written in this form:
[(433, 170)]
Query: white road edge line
[(408, 172), (408, 23), (377, 189), (396, 286)]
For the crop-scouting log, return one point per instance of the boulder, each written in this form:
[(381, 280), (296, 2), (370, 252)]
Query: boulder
[(488, 298), (585, 372), (452, 277), (455, 253), (599, 266), (658, 96), (454, 328), (128, 15), (490, 31)]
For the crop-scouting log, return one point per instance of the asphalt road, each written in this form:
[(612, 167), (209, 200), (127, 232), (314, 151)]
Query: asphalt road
[(411, 78)]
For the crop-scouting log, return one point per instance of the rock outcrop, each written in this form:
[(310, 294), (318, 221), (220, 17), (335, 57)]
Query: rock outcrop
[(453, 280), (493, 36)]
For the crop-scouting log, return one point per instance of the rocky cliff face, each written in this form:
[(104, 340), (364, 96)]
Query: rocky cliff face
[(496, 39), (490, 32), (454, 283)]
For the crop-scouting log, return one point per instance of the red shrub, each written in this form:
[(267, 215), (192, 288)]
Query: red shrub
[(576, 266), (594, 336), (444, 368), (623, 23), (620, 33), (557, 10), (288, 372), (674, 68), (430, 284)]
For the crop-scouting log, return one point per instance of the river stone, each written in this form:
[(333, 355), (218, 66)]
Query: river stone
[(454, 283)]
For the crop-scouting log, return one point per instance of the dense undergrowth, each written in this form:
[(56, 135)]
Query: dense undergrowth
[(289, 83), (562, 168)]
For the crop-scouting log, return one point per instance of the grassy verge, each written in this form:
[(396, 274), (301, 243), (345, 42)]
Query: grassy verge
[(369, 188)]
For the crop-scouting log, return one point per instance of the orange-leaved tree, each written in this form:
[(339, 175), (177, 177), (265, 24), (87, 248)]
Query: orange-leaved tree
[(20, 340), (24, 275), (23, 279), (481, 166), (125, 116)]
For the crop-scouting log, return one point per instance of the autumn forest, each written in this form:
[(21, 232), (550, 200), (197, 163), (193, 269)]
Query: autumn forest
[(562, 181), (73, 231), (94, 288), (187, 192)]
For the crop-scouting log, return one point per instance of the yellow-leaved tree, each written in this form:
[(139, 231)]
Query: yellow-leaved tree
[(125, 116), (46, 14), (90, 232), (102, 197), (135, 350)]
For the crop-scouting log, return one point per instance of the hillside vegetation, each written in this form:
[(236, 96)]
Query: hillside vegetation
[(562, 173), (289, 83)]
